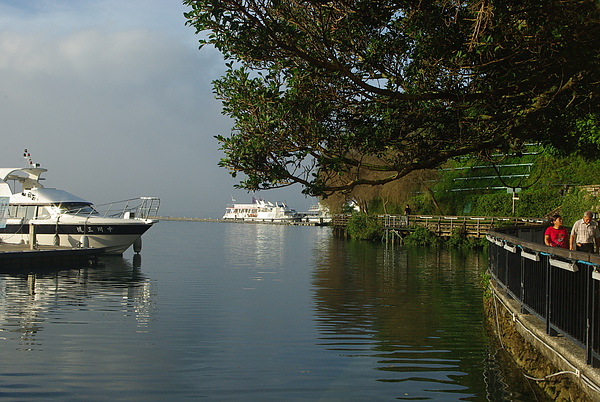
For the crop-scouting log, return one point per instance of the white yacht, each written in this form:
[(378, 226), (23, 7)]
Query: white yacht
[(260, 210), (33, 214), (318, 213)]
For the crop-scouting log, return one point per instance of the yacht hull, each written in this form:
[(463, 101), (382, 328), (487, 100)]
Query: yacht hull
[(114, 238)]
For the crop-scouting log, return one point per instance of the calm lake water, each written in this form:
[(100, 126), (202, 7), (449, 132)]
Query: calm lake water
[(223, 311)]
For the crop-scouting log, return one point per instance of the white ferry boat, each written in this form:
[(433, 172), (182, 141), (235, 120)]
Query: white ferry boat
[(318, 214), (33, 214), (260, 210)]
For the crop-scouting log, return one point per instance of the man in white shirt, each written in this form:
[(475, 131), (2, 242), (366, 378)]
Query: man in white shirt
[(585, 234)]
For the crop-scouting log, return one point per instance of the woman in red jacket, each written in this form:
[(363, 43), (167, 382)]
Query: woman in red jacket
[(557, 235)]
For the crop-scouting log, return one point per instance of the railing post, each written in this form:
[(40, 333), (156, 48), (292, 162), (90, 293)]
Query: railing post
[(589, 341), (594, 324), (549, 284), (589, 318), (522, 287)]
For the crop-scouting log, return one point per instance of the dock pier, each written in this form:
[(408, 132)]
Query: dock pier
[(24, 258)]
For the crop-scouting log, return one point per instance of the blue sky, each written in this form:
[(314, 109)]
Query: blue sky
[(114, 98)]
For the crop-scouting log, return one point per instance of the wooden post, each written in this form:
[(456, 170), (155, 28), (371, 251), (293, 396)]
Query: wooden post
[(32, 237)]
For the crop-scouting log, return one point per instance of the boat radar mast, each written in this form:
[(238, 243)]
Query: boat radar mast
[(28, 162)]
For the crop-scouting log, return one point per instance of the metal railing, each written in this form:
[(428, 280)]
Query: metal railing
[(142, 208), (559, 286)]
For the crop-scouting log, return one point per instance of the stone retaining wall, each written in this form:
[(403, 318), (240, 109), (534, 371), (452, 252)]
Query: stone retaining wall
[(540, 356)]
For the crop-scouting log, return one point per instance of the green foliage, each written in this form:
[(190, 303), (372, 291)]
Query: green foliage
[(492, 204), (376, 207), (339, 94), (551, 186), (422, 236), (422, 204), (486, 285), (459, 240), (348, 209), (537, 202), (575, 203), (479, 243), (559, 170), (364, 227)]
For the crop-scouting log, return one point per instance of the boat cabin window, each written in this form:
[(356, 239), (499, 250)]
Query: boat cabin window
[(23, 211), (76, 208)]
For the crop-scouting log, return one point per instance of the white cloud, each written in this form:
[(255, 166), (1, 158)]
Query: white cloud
[(115, 99)]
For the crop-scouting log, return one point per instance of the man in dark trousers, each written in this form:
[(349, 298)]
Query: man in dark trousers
[(585, 234)]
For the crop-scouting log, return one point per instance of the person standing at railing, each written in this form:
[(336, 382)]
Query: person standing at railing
[(557, 235), (585, 234), (406, 214)]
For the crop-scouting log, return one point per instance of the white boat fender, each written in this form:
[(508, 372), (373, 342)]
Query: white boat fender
[(84, 242), (137, 245)]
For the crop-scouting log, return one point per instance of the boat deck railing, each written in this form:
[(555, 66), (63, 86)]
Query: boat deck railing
[(133, 208), (142, 208)]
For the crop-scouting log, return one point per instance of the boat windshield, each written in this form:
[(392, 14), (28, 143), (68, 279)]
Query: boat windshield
[(76, 208)]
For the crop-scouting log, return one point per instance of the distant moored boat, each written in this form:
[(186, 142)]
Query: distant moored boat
[(261, 210)]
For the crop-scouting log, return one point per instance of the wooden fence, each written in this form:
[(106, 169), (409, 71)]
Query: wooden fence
[(474, 226)]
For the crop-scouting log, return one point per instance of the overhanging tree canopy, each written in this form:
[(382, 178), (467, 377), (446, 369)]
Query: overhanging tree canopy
[(335, 94)]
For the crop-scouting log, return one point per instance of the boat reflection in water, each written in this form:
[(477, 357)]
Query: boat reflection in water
[(31, 302)]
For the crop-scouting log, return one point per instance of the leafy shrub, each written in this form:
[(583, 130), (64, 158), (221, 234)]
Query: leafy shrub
[(494, 204), (485, 284), (575, 203), (477, 243), (538, 202), (459, 239), (422, 237), (364, 227)]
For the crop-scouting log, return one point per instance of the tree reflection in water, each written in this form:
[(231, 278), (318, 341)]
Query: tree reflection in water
[(414, 314)]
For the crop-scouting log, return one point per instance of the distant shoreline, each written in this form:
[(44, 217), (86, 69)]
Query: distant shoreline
[(291, 223), (174, 218)]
